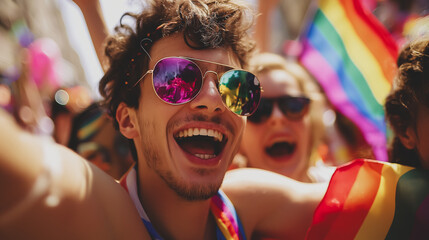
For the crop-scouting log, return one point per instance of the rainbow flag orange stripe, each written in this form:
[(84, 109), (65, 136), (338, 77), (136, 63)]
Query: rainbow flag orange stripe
[(374, 200), (353, 57), (225, 219)]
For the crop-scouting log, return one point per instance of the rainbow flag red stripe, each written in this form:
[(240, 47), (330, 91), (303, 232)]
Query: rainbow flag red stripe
[(374, 200), (354, 59), (225, 219)]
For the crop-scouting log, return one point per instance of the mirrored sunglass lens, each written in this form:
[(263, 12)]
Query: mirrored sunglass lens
[(176, 80), (294, 107), (240, 91), (263, 112)]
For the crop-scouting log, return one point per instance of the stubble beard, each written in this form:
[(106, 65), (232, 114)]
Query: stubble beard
[(188, 191)]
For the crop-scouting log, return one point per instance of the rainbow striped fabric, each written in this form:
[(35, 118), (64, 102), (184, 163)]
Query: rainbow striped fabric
[(353, 57), (91, 126), (228, 222), (374, 200)]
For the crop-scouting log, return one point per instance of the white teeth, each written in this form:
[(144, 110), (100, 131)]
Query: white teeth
[(201, 132), (205, 156), (210, 133), (220, 137)]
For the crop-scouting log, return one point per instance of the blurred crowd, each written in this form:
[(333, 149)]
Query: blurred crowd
[(43, 86), (295, 131)]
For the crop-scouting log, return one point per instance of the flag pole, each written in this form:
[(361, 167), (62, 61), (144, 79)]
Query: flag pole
[(308, 16), (293, 47)]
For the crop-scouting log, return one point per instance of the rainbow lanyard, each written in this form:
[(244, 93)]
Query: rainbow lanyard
[(228, 224)]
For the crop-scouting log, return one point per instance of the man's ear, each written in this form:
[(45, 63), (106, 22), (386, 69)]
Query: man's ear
[(127, 121), (408, 139)]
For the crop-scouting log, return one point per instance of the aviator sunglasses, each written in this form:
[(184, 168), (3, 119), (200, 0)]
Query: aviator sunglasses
[(294, 108), (178, 80)]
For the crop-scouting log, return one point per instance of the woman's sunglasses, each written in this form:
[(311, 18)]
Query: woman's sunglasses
[(178, 80), (294, 108)]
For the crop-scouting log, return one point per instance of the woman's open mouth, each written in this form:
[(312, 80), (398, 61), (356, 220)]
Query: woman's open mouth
[(280, 149)]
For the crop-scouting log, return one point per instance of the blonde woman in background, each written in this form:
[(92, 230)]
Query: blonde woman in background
[(283, 134)]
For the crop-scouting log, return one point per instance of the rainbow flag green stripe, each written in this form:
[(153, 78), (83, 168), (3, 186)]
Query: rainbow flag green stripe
[(353, 57), (329, 44), (374, 200)]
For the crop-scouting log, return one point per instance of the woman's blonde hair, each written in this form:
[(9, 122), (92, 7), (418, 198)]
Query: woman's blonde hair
[(264, 62)]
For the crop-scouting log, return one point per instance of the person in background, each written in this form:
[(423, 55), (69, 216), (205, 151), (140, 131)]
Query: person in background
[(387, 200), (184, 142), (95, 139), (20, 93), (284, 133), (66, 103), (342, 140), (403, 17), (407, 106)]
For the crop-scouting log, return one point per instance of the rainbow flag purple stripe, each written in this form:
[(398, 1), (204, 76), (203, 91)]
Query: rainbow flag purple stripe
[(226, 218), (353, 57)]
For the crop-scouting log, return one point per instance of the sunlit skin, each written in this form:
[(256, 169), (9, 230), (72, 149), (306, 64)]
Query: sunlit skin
[(169, 171), (257, 137), (164, 167)]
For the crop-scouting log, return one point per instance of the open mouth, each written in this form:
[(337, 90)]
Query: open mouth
[(281, 149), (200, 142)]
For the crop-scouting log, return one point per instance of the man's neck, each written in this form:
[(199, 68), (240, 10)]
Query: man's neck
[(172, 216)]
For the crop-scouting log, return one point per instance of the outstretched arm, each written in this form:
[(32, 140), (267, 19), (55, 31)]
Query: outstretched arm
[(272, 205), (93, 14), (49, 192)]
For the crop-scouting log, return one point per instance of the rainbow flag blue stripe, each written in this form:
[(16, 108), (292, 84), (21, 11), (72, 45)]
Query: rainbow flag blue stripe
[(353, 57), (228, 223)]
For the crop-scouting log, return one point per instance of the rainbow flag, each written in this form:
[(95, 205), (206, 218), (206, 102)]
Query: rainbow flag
[(229, 226), (353, 57), (374, 200)]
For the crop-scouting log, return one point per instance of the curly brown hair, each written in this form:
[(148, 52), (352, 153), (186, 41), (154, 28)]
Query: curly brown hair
[(411, 88), (205, 24)]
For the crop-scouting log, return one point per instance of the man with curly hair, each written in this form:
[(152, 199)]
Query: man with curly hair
[(177, 88)]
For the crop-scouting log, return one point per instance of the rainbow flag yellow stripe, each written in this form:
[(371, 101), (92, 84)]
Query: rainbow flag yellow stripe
[(353, 57), (374, 200), (91, 127), (226, 217)]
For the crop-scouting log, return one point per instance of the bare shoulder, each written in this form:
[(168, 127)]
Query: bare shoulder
[(271, 204), (245, 181)]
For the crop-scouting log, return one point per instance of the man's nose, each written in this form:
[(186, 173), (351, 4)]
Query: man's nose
[(209, 98)]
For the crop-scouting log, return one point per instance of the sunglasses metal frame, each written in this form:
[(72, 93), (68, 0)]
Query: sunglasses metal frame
[(202, 78), (191, 60), (285, 113)]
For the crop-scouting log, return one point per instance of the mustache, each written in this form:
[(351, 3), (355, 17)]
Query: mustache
[(203, 118)]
